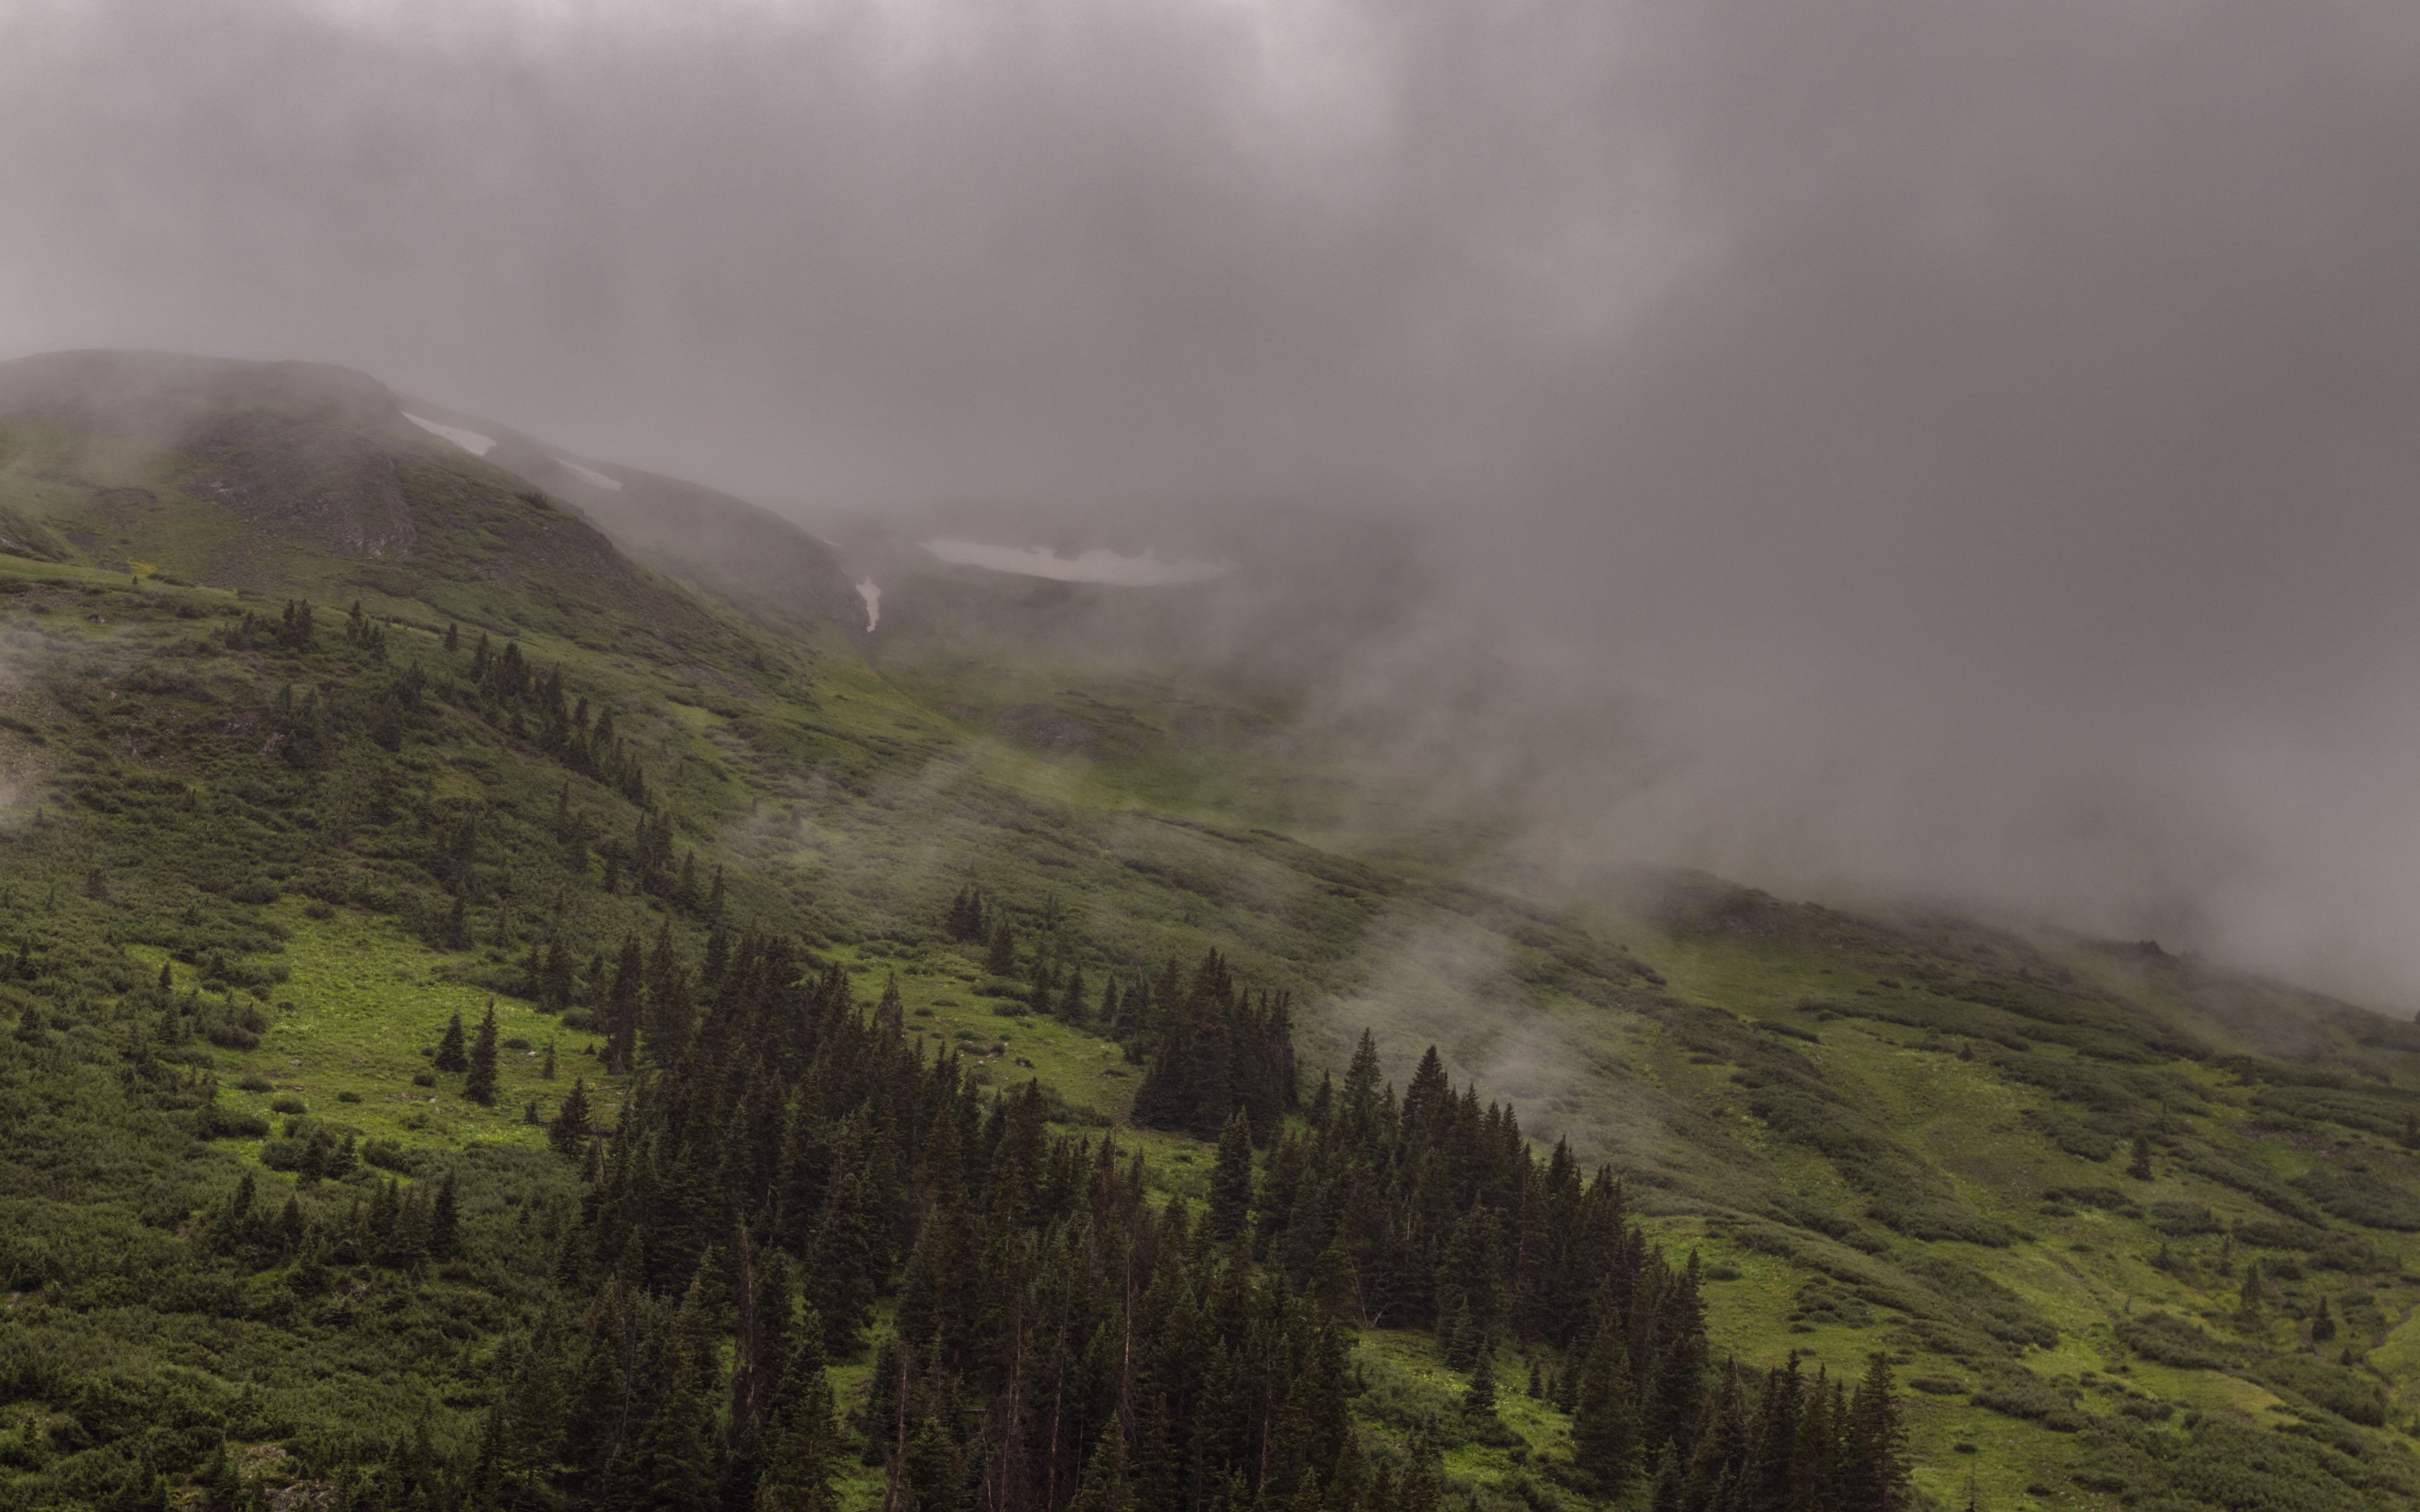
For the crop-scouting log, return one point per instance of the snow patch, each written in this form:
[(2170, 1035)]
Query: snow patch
[(872, 592), (1143, 569), (588, 474), (469, 441)]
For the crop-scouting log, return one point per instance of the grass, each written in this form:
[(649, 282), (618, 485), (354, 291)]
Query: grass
[(362, 1003), (847, 799)]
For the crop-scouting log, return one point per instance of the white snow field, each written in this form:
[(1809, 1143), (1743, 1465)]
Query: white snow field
[(469, 441), (1143, 569)]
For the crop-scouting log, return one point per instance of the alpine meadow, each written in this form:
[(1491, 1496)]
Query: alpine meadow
[(501, 1018)]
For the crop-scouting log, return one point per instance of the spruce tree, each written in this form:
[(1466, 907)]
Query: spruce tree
[(568, 1132), (2139, 1167), (621, 1016), (479, 1084), (802, 1447), (1002, 959), (670, 1468), (1670, 1492), (449, 1049), (444, 1222), (1479, 1400), (1874, 1462), (1105, 1486), (1604, 1420), (2323, 1323), (555, 988), (668, 1017), (1230, 1181)]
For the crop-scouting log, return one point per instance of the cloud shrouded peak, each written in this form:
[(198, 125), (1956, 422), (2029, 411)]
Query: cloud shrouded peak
[(1975, 440)]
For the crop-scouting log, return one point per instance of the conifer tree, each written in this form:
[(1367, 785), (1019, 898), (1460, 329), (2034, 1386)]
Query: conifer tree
[(1478, 1398), (450, 1054), (1105, 1486), (621, 1016), (556, 989), (803, 1444), (2323, 1323), (1000, 961), (2139, 1166), (1605, 1422), (669, 1019), (479, 1084), (546, 1066), (1874, 1463), (444, 1222), (1669, 1494), (568, 1132), (1231, 1180), (669, 1467)]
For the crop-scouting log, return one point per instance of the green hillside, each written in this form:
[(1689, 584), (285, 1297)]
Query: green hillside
[(319, 734)]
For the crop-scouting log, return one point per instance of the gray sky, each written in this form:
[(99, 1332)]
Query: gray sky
[(1983, 438)]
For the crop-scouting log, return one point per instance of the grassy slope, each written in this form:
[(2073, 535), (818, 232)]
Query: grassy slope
[(849, 800)]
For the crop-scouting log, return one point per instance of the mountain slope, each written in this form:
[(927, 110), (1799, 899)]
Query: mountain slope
[(713, 543), (2092, 1200)]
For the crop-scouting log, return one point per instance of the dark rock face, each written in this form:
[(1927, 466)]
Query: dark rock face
[(299, 452), (302, 480)]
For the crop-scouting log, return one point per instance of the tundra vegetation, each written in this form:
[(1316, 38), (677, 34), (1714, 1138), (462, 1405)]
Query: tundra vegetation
[(492, 1023)]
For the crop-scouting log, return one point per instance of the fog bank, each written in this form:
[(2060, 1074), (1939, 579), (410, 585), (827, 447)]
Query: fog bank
[(1876, 445)]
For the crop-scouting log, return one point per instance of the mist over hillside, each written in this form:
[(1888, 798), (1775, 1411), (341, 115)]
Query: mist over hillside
[(1971, 441), (922, 756)]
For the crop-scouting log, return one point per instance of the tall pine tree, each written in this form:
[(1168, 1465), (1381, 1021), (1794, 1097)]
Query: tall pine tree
[(479, 1084)]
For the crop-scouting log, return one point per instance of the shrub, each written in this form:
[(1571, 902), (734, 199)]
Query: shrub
[(2179, 1220), (388, 1156), (349, 1096), (216, 1123), (423, 1078), (254, 1082), (2105, 1198), (2277, 1233), (2020, 1393), (2333, 1387), (288, 1104), (2365, 1198), (2171, 1340), (2349, 1252)]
